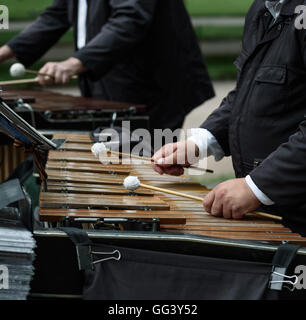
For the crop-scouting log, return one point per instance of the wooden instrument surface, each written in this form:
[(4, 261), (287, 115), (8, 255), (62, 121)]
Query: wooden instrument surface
[(79, 185), (10, 158), (46, 100)]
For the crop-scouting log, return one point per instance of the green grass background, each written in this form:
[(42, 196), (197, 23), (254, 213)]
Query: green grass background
[(218, 7), (220, 67), (28, 9), (25, 9)]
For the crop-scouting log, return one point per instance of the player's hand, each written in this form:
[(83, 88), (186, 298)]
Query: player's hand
[(60, 72), (6, 53), (231, 199), (174, 157)]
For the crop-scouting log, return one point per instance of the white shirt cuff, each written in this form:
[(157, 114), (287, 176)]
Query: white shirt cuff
[(82, 18), (259, 194), (207, 144)]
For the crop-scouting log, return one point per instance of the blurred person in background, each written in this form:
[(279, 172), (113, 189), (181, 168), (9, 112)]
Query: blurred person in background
[(136, 51)]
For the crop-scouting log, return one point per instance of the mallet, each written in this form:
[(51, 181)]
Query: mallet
[(100, 149), (132, 183), (18, 70)]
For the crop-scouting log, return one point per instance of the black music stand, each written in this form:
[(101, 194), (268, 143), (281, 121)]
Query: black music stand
[(24, 135)]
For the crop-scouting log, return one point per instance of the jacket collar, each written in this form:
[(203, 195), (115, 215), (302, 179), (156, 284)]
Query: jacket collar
[(289, 6)]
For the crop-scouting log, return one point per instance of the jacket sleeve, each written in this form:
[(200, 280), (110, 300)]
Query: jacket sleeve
[(218, 122), (282, 176), (42, 34), (128, 25)]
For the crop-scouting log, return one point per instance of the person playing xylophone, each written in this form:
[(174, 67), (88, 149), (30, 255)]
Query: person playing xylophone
[(261, 123)]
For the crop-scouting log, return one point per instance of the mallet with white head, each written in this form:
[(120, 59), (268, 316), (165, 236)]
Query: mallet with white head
[(100, 147), (18, 70), (132, 183)]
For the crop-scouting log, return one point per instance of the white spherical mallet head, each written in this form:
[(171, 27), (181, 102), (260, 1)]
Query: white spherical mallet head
[(17, 70), (131, 183), (99, 149)]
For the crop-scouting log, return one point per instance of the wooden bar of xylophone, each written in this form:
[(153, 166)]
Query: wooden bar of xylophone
[(79, 185), (10, 158)]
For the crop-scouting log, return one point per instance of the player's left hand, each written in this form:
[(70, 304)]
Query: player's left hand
[(231, 199), (60, 72)]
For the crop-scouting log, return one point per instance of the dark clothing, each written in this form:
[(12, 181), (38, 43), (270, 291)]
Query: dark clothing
[(138, 51), (262, 122)]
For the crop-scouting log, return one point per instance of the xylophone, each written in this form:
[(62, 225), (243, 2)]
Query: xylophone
[(80, 186), (48, 112), (54, 111), (10, 158)]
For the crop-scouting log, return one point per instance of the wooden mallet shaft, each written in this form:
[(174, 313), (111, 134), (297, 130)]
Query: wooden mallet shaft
[(14, 82), (151, 160), (184, 195), (21, 81)]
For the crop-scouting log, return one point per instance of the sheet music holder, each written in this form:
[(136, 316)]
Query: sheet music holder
[(25, 135)]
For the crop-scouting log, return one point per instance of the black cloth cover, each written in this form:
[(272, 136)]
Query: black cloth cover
[(149, 275)]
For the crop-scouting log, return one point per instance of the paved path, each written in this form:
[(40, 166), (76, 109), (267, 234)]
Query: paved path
[(198, 116), (218, 21), (18, 25)]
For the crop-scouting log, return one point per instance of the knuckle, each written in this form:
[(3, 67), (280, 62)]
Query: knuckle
[(235, 208), (221, 193)]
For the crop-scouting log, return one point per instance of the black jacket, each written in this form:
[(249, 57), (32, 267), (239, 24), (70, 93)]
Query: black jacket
[(138, 51), (262, 122)]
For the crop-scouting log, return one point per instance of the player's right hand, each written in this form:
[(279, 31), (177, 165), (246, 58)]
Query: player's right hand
[(174, 157)]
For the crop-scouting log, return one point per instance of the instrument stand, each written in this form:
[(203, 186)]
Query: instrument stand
[(125, 224)]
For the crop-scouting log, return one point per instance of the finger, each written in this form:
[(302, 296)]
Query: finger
[(40, 76), (166, 156), (47, 81), (168, 161), (174, 170), (44, 69), (65, 78), (237, 212), (169, 149), (217, 207), (157, 168), (159, 154), (52, 71), (208, 201), (58, 77), (227, 211), (43, 79)]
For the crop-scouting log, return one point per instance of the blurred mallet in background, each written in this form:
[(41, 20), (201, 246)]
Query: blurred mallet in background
[(18, 70)]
